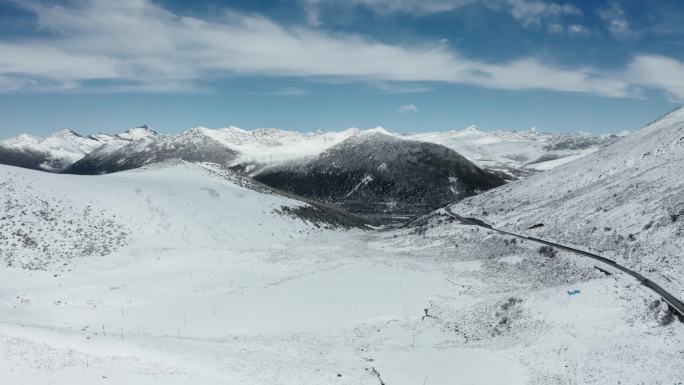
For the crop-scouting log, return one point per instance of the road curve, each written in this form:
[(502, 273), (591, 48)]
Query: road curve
[(676, 305)]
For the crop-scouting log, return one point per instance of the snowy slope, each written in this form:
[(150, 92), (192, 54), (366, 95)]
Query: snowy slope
[(625, 201), (48, 220)]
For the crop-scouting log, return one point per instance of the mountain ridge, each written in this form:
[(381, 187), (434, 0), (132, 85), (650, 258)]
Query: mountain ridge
[(531, 150)]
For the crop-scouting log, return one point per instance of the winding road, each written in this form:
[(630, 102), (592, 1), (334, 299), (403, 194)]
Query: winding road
[(675, 304)]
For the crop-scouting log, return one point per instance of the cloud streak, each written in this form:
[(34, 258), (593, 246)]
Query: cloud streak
[(138, 45), (407, 108)]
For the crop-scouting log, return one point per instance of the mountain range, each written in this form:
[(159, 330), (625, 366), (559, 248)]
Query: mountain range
[(526, 150), (374, 172)]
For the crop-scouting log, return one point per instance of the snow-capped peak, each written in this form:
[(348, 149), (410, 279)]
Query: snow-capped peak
[(236, 129), (67, 140), (375, 131), (65, 134), (138, 133), (471, 131)]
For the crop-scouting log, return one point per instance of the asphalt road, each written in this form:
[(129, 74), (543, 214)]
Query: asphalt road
[(676, 305)]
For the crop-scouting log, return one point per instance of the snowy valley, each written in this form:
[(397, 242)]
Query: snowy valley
[(191, 272)]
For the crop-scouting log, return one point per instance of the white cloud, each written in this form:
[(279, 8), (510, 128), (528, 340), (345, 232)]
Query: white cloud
[(572, 29), (137, 45), (407, 108), (531, 74), (658, 72)]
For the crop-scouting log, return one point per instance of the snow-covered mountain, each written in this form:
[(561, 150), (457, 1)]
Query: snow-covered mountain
[(60, 150), (524, 150), (193, 146), (625, 201), (371, 172), (50, 153), (515, 152), (378, 173), (229, 147)]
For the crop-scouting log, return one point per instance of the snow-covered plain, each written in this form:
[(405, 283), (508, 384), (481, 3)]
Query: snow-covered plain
[(208, 283)]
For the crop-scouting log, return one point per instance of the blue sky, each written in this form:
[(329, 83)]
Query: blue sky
[(407, 65)]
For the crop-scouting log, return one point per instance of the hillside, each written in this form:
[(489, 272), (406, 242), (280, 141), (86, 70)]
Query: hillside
[(624, 201)]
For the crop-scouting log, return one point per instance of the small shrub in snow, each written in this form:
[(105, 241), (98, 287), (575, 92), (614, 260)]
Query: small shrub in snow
[(547, 251)]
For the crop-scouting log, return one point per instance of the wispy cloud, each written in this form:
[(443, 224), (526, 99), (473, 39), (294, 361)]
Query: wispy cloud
[(527, 12), (420, 7), (531, 12), (577, 29), (571, 29), (615, 19), (401, 88), (138, 44), (407, 108)]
